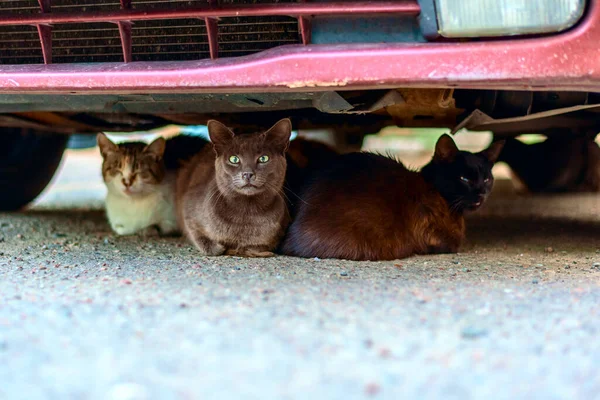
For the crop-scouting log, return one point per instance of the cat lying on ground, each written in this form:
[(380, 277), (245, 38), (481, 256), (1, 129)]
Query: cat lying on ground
[(365, 206), (140, 179), (230, 196)]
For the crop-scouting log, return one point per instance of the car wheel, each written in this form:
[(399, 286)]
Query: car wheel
[(28, 160)]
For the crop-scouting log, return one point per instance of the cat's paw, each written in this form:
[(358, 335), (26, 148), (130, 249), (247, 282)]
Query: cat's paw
[(208, 248), (216, 249), (148, 232), (253, 253), (233, 253), (122, 230), (168, 230)]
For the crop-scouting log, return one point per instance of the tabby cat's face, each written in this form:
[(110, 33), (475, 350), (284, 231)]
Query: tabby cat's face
[(133, 168), (250, 164), (464, 179)]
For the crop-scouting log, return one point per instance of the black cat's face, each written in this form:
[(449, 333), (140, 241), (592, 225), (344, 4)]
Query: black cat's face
[(464, 182), (464, 179)]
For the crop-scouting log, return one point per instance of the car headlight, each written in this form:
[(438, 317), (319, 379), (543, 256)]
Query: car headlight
[(481, 18)]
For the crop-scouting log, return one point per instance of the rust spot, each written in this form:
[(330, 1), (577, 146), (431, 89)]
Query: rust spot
[(424, 107), (312, 84)]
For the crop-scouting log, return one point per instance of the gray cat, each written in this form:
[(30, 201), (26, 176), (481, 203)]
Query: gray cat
[(230, 196)]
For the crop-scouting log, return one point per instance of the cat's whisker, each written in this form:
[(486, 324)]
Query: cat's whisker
[(215, 192), (455, 204), (281, 192), (298, 197), (272, 188), (211, 194), (220, 197)]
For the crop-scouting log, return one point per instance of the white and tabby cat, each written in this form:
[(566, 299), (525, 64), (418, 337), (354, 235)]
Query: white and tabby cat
[(140, 179)]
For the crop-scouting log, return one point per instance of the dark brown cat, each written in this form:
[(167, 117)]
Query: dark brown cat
[(564, 163), (229, 197), (370, 207)]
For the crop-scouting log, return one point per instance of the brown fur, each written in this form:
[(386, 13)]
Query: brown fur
[(564, 163), (369, 207), (222, 212), (384, 212)]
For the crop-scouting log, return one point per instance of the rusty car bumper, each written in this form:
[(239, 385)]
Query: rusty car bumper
[(564, 61)]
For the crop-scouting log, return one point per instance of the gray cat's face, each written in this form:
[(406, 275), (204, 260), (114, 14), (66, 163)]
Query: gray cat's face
[(252, 169), (250, 164)]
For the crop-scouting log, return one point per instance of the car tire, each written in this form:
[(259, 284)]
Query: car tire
[(28, 160)]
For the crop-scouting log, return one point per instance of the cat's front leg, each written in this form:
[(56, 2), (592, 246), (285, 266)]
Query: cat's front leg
[(441, 249), (123, 229), (444, 242), (169, 228), (205, 246), (149, 232)]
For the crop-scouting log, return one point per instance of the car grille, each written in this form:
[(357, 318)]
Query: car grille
[(151, 40), (91, 31)]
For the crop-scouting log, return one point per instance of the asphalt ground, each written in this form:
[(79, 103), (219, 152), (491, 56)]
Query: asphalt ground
[(87, 315)]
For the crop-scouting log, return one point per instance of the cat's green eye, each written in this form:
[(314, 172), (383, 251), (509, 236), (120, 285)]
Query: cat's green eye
[(465, 180), (234, 159), (263, 159)]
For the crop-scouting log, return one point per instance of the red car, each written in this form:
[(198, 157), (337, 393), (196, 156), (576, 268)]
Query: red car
[(84, 66)]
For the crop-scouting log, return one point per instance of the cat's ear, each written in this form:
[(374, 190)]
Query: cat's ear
[(220, 135), (105, 145), (493, 152), (279, 134), (445, 149), (156, 148)]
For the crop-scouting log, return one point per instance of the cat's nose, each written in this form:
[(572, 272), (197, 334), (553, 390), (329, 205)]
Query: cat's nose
[(127, 182), (248, 176)]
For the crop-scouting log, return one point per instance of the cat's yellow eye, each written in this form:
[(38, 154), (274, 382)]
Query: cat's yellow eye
[(234, 159), (263, 159)]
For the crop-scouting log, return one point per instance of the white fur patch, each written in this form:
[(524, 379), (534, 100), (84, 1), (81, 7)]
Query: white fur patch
[(130, 214)]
